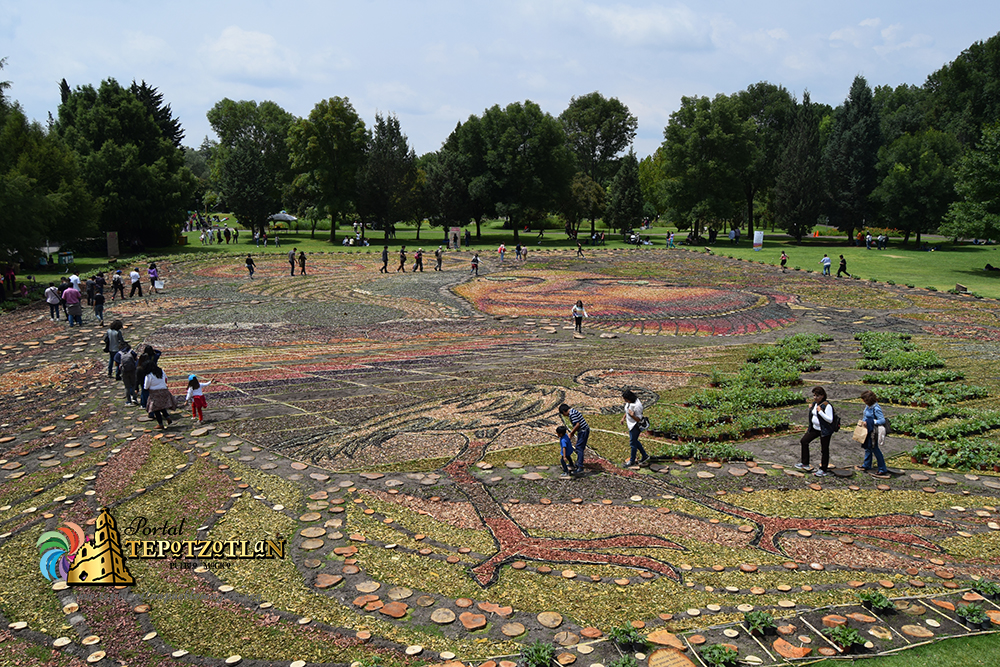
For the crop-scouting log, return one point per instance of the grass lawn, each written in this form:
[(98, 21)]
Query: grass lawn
[(960, 652), (942, 269)]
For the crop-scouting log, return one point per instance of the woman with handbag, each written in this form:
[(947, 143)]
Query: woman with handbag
[(874, 422), (820, 426), (634, 420)]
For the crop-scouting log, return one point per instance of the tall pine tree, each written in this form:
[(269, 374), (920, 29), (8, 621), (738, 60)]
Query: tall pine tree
[(798, 194), (850, 159)]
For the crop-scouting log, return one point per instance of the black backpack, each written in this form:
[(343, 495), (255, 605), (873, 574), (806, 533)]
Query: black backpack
[(836, 421)]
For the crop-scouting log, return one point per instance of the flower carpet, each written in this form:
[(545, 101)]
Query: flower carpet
[(395, 436)]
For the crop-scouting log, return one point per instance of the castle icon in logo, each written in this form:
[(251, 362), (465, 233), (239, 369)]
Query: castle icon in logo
[(100, 563)]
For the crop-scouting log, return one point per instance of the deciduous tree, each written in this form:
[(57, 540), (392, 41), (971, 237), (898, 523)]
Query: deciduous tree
[(977, 213)]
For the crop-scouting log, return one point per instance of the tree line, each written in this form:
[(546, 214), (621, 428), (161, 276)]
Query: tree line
[(916, 159)]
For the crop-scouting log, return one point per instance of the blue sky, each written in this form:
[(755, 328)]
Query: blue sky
[(434, 63)]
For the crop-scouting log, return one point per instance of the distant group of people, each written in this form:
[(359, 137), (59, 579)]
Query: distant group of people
[(71, 292), (881, 241), (293, 259)]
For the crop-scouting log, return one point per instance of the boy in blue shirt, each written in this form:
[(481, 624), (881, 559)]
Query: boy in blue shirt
[(565, 451)]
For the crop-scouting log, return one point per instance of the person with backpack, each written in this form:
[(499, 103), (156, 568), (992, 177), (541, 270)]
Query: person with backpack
[(117, 285), (53, 298), (129, 366), (114, 342), (822, 423), (877, 425)]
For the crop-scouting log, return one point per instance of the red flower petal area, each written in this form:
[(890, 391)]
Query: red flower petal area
[(632, 306)]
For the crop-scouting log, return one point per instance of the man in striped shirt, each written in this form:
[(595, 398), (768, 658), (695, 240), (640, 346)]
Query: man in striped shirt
[(581, 429)]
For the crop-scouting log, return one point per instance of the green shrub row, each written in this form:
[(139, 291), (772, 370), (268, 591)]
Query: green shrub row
[(883, 351), (917, 394), (912, 377), (737, 407)]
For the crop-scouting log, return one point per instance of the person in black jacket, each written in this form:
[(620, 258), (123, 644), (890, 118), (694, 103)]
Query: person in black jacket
[(820, 425)]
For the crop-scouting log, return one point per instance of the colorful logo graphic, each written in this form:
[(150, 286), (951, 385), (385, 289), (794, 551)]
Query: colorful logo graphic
[(57, 549)]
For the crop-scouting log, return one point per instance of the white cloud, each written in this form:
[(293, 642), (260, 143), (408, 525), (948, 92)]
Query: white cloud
[(871, 23), (666, 27), (250, 57)]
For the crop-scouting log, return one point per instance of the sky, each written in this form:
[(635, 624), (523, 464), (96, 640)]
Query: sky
[(436, 62)]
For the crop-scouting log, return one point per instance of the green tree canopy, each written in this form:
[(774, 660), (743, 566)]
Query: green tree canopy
[(42, 196), (798, 194), (918, 184), (598, 130), (965, 94), (388, 176), (135, 171), (250, 165), (703, 151), (528, 167), (625, 203), (766, 111), (849, 160), (977, 182), (327, 148)]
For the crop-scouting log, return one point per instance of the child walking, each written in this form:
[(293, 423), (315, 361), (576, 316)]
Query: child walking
[(565, 452), (195, 397)]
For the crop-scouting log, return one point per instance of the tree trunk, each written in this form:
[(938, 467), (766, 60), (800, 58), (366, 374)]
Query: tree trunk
[(479, 233), (906, 237), (312, 235), (418, 231), (751, 193)]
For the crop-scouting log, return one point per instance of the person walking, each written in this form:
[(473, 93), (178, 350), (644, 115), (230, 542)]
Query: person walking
[(843, 267), (633, 420), (117, 285), (251, 266), (784, 261), (578, 314), (99, 307), (874, 420), (818, 425), (475, 263), (129, 366), (136, 280), (418, 260), (74, 310), (502, 250), (402, 260), (579, 250), (114, 342), (196, 397), (385, 260), (438, 258), (581, 429), (52, 298), (154, 276), (826, 262), (159, 400), (302, 262), (291, 259)]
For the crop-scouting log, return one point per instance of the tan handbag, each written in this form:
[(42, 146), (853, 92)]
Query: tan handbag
[(860, 432)]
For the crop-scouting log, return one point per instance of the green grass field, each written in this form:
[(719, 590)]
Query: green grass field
[(903, 265)]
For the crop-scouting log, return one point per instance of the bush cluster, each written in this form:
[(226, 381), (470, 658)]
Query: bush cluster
[(737, 405)]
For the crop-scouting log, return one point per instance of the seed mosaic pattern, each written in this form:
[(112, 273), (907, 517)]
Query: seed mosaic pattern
[(409, 458)]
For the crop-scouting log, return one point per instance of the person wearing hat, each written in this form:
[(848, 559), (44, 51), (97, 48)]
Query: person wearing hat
[(438, 256), (195, 397), (418, 260)]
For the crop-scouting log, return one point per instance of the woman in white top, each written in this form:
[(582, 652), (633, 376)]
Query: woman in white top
[(631, 418), (578, 314), (820, 426), (160, 399)]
